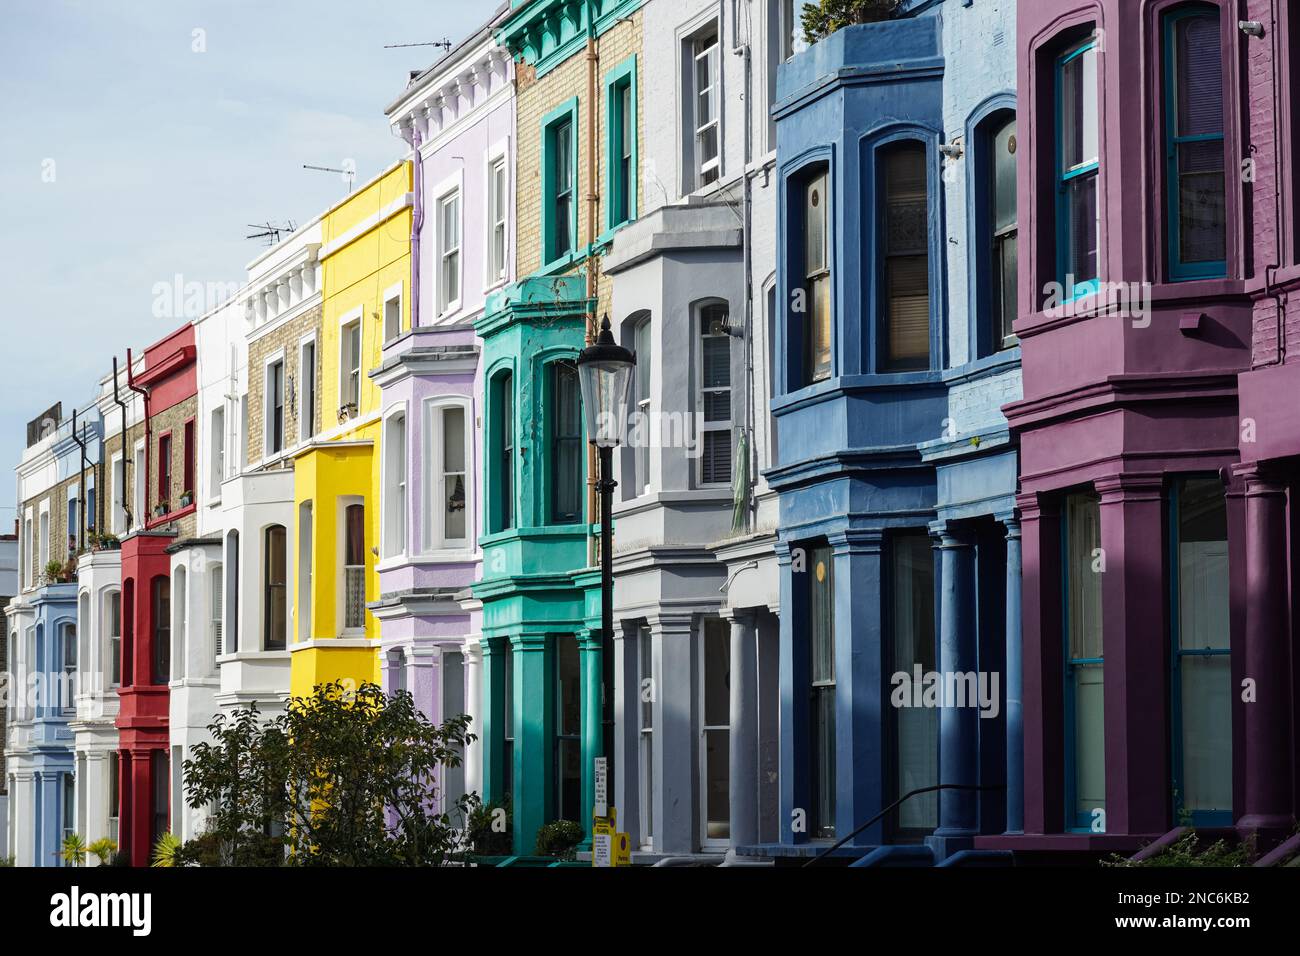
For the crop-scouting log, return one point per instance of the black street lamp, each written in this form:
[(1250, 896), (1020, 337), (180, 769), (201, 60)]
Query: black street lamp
[(605, 375)]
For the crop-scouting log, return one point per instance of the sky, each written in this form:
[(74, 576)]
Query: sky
[(140, 138)]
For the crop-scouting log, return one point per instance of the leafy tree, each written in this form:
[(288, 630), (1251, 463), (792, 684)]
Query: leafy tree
[(824, 17), (343, 778)]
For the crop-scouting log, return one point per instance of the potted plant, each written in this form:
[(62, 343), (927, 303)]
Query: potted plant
[(54, 572), (187, 498), (821, 19), (74, 850), (103, 850), (162, 510)]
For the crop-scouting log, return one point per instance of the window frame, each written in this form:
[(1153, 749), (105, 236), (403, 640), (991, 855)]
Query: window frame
[(307, 387), (395, 458), (269, 586), (1062, 176), (112, 632), (160, 659), (811, 372), (165, 477), (350, 366), (621, 185), (447, 304), (925, 141), (700, 317), (498, 217), (502, 507), (550, 367), (551, 253), (1180, 271), (274, 423), (702, 174), (393, 294), (1074, 822), (434, 429), (216, 453)]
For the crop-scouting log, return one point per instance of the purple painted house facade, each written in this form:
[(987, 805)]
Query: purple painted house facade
[(1158, 425), (458, 118)]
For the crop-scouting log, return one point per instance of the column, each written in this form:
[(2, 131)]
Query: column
[(793, 760), (533, 780), (1136, 666), (743, 733), (1267, 790), (1042, 682), (474, 707), (141, 845), (672, 640), (627, 715), (958, 718), (593, 743), (860, 699), (769, 725), (1014, 682), (491, 714)]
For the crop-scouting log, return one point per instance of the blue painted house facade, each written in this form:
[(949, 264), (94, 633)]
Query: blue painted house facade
[(896, 473)]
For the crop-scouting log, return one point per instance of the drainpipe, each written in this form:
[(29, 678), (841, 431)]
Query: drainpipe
[(81, 484), (417, 224), (126, 458), (742, 49), (593, 203), (1279, 298), (148, 438)]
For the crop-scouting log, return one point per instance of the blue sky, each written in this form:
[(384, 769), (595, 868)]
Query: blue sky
[(161, 155)]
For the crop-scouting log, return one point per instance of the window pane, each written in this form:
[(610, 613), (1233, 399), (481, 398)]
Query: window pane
[(815, 259), (1201, 204), (907, 262), (1081, 252), (1004, 178), (1079, 110), (1200, 75), (821, 631), (819, 329), (566, 426), (453, 458)]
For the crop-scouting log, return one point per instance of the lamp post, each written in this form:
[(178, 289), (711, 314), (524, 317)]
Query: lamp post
[(605, 377)]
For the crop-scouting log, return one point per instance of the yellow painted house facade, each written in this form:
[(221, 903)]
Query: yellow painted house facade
[(365, 261)]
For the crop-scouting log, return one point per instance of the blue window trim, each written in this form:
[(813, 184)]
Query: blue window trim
[(567, 110), (623, 75), (793, 178), (1074, 822), (1180, 271), (1203, 818), (1088, 286), (874, 211)]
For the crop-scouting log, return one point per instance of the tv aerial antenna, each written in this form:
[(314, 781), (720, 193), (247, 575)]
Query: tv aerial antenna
[(349, 174), (269, 231), (444, 44)]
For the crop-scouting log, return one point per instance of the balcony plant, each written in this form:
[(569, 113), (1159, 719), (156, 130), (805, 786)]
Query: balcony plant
[(74, 850), (103, 850), (187, 499), (823, 18)]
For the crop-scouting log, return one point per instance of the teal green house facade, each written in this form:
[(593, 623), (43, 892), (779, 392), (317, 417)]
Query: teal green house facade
[(542, 725)]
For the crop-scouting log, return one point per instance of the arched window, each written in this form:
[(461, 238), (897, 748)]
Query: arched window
[(1000, 149), (905, 251), (354, 567), (501, 465), (565, 427), (275, 589), (1195, 157)]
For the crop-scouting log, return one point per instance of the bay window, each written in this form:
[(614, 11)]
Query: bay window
[(1078, 170), (446, 480), (713, 403), (565, 425), (905, 235), (817, 280), (275, 589)]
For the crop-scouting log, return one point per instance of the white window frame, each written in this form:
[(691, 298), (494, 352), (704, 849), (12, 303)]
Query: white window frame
[(392, 294), (307, 387), (217, 453), (117, 473), (141, 502), (355, 316), (697, 326), (113, 652), (216, 613), (699, 51), (341, 545), (73, 509), (43, 523), (446, 304), (496, 274), (435, 540), (275, 358), (28, 550), (394, 532)]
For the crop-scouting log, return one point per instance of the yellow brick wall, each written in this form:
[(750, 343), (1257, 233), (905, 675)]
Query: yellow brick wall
[(537, 97), (288, 338)]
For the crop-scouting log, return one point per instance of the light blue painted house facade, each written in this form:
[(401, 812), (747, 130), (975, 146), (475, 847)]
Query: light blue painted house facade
[(898, 542)]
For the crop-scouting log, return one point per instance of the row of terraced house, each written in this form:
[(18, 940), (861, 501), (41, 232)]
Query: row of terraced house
[(906, 503)]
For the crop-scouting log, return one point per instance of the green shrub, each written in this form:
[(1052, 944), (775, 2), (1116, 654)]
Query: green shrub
[(483, 840), (822, 19), (1186, 851), (559, 839)]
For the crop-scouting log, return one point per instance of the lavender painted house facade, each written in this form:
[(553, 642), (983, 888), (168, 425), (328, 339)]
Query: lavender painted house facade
[(1156, 669), (458, 118)]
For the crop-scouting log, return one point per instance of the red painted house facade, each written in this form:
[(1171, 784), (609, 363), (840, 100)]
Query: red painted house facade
[(167, 451)]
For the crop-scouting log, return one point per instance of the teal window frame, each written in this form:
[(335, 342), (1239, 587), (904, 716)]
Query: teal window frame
[(551, 123), (1180, 271), (1064, 177), (1205, 818), (501, 505), (550, 368), (621, 190)]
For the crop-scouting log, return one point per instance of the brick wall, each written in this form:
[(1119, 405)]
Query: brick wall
[(113, 446), (173, 420), (288, 338), (537, 97)]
